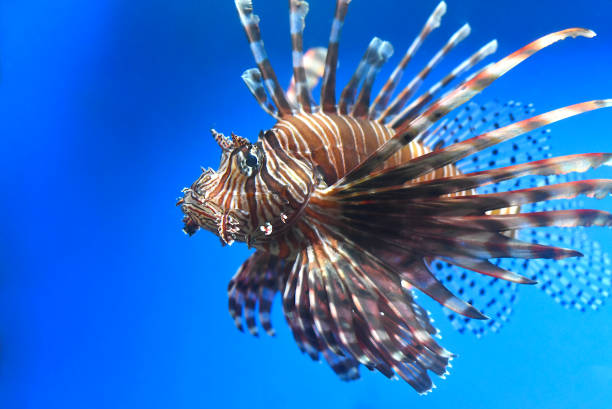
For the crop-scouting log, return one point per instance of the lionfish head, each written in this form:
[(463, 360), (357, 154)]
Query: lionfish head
[(248, 198)]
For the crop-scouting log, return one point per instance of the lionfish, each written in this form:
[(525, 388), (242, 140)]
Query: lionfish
[(354, 204)]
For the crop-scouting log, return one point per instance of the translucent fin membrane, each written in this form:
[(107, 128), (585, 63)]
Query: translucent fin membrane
[(495, 297), (473, 119), (582, 283)]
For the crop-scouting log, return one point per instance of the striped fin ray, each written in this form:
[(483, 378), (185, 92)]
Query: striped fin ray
[(494, 297), (254, 82), (426, 236), (375, 321), (487, 268), (290, 311), (393, 324), (597, 188), (412, 271), (420, 276), (314, 343), (460, 183), (250, 23), (558, 218), (397, 208), (340, 308), (411, 111), (346, 368), (314, 64), (414, 84), (347, 97), (297, 15), (452, 100), (382, 99), (328, 86), (301, 326), (270, 285), (255, 282), (319, 300), (437, 159), (380, 56)]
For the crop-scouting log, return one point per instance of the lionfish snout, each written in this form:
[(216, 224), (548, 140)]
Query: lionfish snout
[(198, 209), (200, 212), (231, 224)]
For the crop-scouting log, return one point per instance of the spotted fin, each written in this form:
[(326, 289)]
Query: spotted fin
[(582, 283), (494, 296)]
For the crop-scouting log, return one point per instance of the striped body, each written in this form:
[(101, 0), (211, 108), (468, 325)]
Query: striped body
[(336, 143), (332, 144), (354, 205)]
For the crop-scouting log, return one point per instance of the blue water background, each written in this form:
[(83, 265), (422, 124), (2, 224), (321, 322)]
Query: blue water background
[(105, 109)]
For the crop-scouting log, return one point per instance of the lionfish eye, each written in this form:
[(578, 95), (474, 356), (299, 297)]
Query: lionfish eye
[(249, 161)]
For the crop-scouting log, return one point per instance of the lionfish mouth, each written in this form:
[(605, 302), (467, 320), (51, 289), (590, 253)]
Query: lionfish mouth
[(203, 213), (199, 212), (191, 225)]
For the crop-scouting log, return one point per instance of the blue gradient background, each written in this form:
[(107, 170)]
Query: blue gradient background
[(105, 109)]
